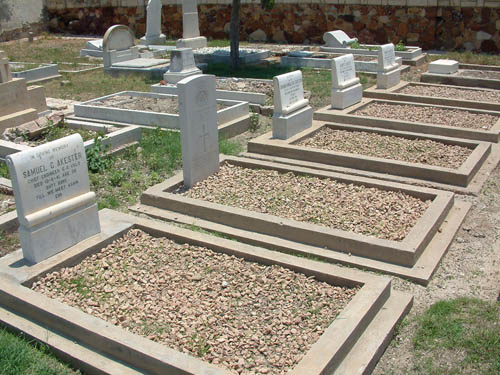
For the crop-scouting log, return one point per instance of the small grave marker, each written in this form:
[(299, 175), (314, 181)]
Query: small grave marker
[(388, 74), (55, 206), (346, 89), (153, 24), (118, 45), (292, 114), (198, 123), (182, 65), (443, 66), (338, 39)]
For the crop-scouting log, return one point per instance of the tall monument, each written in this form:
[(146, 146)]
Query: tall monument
[(190, 27)]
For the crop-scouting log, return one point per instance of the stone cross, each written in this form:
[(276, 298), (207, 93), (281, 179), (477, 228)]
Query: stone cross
[(190, 25), (199, 132), (5, 74), (55, 206), (153, 24)]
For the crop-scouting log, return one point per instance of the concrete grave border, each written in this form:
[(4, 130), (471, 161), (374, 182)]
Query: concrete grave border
[(346, 116), (413, 56), (394, 94), (232, 120), (211, 58), (461, 176), (365, 325), (37, 75), (454, 79), (85, 68), (416, 257)]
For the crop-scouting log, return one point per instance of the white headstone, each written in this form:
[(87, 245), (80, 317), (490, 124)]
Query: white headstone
[(190, 27), (118, 45), (182, 65), (338, 39), (55, 206), (292, 113), (389, 73), (443, 66), (153, 24), (198, 123), (346, 89), (5, 75), (344, 72)]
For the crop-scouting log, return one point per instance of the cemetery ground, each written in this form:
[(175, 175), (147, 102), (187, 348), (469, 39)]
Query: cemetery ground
[(456, 335)]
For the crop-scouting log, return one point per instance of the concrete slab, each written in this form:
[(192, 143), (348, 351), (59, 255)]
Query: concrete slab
[(97, 346), (462, 80), (347, 116), (394, 93), (266, 144), (234, 114), (403, 253), (412, 56)]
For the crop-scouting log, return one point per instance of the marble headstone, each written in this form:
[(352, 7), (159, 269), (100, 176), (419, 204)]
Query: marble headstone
[(153, 24), (388, 71), (443, 66), (292, 114), (5, 75), (198, 123), (182, 65), (190, 27), (55, 206), (118, 45), (338, 39), (346, 89)]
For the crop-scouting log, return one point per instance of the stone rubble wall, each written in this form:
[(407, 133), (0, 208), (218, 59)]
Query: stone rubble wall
[(18, 17), (431, 24)]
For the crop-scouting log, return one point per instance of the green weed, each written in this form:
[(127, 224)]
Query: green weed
[(229, 147), (4, 170)]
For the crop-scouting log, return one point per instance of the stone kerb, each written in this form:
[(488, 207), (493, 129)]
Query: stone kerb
[(55, 206), (292, 113), (198, 123), (389, 73), (118, 45), (182, 65), (153, 24), (5, 74), (338, 39), (346, 89)]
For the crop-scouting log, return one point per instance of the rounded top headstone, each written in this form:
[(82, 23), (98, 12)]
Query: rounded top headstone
[(118, 37)]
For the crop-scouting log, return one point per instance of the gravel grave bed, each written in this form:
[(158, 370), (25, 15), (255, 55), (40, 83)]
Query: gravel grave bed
[(241, 84), (241, 315), (373, 212), (423, 151), (460, 118), (485, 74), (451, 92), (164, 105)]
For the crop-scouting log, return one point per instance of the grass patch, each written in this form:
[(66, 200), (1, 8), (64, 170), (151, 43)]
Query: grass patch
[(4, 170), (219, 43), (468, 58), (21, 356), (460, 336), (229, 147), (46, 49)]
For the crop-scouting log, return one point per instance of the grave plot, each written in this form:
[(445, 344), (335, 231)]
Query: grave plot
[(222, 55), (255, 91), (411, 55), (363, 63), (450, 162), (428, 93), (116, 138), (151, 109), (476, 76), (208, 293), (34, 72), (446, 121), (368, 223)]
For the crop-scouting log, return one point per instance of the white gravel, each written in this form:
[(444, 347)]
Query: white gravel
[(452, 92)]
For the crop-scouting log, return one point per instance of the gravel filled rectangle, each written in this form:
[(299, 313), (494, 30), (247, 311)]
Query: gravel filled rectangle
[(378, 220), (428, 93), (162, 299), (430, 158), (466, 77), (447, 121)]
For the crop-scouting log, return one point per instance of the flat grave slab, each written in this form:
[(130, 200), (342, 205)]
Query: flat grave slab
[(429, 93), (471, 76), (322, 60), (415, 255), (34, 72), (448, 161), (80, 333), (255, 91), (154, 109), (412, 55), (441, 120)]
